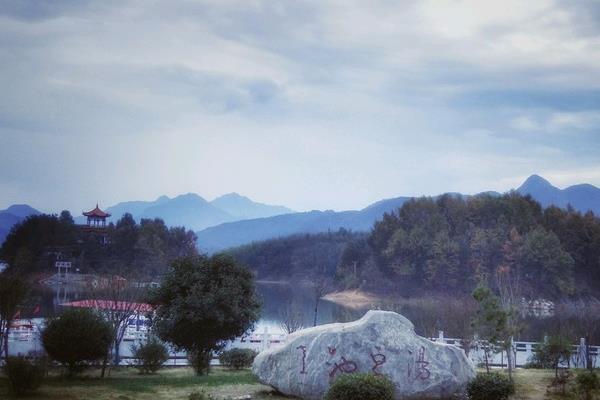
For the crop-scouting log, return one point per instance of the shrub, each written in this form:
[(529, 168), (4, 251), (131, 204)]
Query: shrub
[(490, 387), (587, 382), (361, 387), (551, 353), (199, 396), (150, 356), (76, 338), (237, 358), (23, 375)]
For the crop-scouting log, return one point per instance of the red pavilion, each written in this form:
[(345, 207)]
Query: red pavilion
[(96, 218)]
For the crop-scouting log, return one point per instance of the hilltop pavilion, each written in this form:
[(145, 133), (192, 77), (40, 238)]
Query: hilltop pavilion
[(96, 218)]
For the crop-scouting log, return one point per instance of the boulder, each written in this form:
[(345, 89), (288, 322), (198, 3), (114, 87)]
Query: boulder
[(381, 342)]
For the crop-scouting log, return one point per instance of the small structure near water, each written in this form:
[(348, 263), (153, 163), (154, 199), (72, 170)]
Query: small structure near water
[(381, 342)]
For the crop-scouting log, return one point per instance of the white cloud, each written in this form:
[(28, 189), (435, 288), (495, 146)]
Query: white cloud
[(581, 120), (524, 123), (322, 104)]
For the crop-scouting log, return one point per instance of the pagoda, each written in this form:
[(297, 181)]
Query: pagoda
[(96, 218)]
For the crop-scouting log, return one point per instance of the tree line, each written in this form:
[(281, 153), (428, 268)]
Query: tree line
[(448, 245), (452, 244), (143, 249)]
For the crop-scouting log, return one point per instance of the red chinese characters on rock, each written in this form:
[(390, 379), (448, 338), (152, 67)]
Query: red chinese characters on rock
[(378, 360), (303, 349), (344, 366), (419, 370)]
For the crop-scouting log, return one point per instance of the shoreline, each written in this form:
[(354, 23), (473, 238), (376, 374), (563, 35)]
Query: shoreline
[(355, 299), (271, 282)]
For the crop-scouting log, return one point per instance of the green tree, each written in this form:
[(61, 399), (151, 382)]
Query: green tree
[(150, 356), (202, 303), (552, 352), (76, 338), (13, 292), (544, 260), (587, 383), (443, 266), (490, 321)]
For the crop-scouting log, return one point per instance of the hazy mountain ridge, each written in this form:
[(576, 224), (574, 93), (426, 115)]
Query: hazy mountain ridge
[(242, 232), (13, 215), (232, 219), (583, 197), (242, 207), (193, 211)]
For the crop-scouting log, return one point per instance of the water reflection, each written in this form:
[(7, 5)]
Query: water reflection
[(429, 315)]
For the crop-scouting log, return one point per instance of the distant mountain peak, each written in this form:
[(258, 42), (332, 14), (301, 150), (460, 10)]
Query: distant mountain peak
[(536, 181), (21, 210), (583, 197), (244, 208), (189, 197), (231, 196)]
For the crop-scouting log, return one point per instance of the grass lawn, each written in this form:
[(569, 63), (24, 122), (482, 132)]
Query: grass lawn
[(536, 384), (178, 383), (170, 383)]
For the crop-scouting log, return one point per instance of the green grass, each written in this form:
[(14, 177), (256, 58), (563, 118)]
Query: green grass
[(128, 380), (178, 383), (127, 384)]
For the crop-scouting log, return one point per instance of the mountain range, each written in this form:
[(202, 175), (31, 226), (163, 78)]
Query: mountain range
[(232, 219), (583, 198), (193, 211)]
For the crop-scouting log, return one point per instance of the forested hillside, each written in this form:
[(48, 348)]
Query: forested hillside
[(144, 250), (297, 257), (449, 245)]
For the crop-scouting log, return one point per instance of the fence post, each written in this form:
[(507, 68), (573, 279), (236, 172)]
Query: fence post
[(582, 354)]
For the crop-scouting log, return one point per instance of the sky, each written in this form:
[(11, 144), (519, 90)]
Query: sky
[(310, 104)]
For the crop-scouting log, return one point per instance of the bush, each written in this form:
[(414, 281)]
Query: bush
[(199, 396), (587, 382), (76, 338), (237, 358), (361, 387), (23, 375), (551, 353), (490, 387), (150, 356)]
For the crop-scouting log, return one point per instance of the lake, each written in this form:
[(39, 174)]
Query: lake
[(429, 315)]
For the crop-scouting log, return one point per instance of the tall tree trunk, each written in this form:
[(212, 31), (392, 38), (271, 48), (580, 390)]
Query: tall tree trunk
[(509, 360), (200, 360), (6, 333), (487, 360), (117, 357), (316, 311), (104, 364)]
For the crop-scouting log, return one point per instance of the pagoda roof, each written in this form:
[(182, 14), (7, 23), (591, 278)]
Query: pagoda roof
[(96, 212)]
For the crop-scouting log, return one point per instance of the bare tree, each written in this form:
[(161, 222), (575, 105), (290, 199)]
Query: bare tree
[(291, 318), (508, 281), (320, 289), (118, 300)]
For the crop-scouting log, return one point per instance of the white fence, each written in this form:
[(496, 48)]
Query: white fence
[(523, 353), (26, 339)]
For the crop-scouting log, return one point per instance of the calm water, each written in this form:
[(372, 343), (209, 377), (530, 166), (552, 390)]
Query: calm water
[(428, 315)]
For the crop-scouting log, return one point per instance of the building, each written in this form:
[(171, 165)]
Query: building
[(96, 218), (96, 223)]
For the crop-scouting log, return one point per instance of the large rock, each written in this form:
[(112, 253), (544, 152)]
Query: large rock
[(381, 342)]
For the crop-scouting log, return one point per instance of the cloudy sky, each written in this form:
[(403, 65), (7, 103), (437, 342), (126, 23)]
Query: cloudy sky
[(314, 105)]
